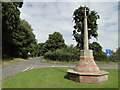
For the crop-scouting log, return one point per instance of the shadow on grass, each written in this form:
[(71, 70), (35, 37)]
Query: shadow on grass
[(64, 71), (60, 70)]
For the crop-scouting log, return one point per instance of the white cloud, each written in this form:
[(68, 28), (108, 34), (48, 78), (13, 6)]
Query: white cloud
[(48, 17)]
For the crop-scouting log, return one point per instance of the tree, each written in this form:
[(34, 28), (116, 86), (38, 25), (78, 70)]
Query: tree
[(115, 56), (40, 49), (24, 40), (33, 49), (95, 47), (78, 17), (98, 54), (55, 41), (18, 39), (10, 21)]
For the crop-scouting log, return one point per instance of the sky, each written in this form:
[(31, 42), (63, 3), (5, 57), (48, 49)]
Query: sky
[(47, 17)]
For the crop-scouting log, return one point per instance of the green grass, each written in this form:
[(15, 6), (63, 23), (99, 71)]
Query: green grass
[(58, 62), (75, 62), (53, 77)]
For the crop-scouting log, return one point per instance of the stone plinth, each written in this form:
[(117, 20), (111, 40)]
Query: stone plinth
[(87, 71), (87, 77), (86, 63)]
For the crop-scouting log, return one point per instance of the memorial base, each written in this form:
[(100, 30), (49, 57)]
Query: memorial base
[(87, 77)]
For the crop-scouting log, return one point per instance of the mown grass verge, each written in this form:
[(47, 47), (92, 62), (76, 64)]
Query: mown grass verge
[(75, 62), (54, 77)]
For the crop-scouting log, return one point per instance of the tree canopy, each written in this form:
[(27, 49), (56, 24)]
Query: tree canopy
[(10, 21), (55, 41), (24, 39), (78, 32), (17, 36), (96, 47)]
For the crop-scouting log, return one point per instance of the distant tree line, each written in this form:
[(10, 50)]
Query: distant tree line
[(55, 49)]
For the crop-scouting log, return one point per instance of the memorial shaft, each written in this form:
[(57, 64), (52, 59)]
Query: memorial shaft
[(86, 46)]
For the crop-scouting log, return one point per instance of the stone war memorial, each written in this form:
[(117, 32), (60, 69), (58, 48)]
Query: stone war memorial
[(86, 71)]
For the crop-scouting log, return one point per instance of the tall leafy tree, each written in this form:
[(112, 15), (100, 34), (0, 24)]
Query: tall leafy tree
[(78, 32), (24, 39), (55, 41), (18, 38), (10, 21)]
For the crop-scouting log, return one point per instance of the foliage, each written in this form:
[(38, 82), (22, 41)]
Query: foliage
[(100, 56), (33, 50), (17, 36), (78, 17), (69, 53), (115, 56), (24, 39), (95, 46), (40, 49), (55, 41), (10, 22), (24, 35)]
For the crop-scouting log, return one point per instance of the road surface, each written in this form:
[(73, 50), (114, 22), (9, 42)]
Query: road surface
[(18, 67)]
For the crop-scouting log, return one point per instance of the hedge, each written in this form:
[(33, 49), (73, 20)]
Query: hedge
[(63, 55), (72, 54)]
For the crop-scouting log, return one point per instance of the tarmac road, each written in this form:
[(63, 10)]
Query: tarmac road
[(18, 67)]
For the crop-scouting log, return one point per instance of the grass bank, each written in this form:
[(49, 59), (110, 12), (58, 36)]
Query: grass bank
[(12, 60), (75, 62), (53, 77)]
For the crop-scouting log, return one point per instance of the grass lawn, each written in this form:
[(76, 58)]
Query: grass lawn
[(53, 77), (75, 62)]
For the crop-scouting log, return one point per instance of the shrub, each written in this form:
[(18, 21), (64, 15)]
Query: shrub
[(71, 53), (66, 54), (114, 58), (100, 56)]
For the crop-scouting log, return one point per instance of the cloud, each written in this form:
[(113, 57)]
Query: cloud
[(48, 17)]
